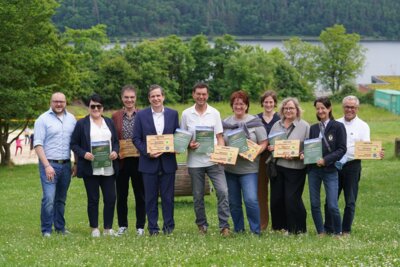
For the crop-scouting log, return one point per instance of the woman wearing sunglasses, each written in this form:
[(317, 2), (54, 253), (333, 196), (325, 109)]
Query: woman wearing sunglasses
[(95, 144)]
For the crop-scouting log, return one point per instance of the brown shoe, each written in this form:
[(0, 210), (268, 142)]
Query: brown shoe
[(202, 229), (225, 232), (346, 234), (322, 234)]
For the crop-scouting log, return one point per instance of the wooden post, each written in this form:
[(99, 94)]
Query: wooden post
[(397, 147), (183, 182)]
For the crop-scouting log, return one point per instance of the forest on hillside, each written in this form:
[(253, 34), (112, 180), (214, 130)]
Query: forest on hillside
[(138, 18)]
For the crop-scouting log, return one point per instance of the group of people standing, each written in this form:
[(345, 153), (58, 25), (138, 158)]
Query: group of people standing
[(153, 174)]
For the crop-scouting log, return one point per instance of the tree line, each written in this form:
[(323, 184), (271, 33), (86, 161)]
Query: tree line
[(37, 60), (225, 65), (371, 18)]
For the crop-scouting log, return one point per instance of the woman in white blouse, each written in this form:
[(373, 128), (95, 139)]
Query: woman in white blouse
[(95, 144)]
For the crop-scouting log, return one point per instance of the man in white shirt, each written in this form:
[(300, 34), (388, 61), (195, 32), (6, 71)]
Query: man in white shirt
[(199, 164), (349, 175)]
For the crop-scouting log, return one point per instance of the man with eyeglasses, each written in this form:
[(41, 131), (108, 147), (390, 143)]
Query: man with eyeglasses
[(124, 121), (53, 130), (350, 172)]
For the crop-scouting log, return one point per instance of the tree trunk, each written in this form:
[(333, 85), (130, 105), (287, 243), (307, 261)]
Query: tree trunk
[(6, 154), (6, 146)]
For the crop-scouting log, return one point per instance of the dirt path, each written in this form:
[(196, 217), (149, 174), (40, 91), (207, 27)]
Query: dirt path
[(26, 157)]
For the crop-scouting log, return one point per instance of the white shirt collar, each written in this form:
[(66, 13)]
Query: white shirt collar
[(196, 112), (351, 121), (154, 112)]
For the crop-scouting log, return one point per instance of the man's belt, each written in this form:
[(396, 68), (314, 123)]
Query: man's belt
[(59, 161)]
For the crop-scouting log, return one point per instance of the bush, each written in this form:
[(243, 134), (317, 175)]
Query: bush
[(350, 89)]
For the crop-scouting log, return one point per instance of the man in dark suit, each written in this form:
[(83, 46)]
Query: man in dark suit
[(158, 169)]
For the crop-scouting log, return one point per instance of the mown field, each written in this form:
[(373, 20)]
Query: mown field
[(374, 241)]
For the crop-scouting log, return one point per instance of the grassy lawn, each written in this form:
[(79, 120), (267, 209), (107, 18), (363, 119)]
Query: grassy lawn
[(374, 241)]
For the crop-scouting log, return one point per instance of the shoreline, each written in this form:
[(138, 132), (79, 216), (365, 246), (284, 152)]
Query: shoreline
[(129, 39)]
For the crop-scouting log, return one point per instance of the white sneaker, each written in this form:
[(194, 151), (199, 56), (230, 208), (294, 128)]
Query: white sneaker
[(122, 230), (140, 231), (96, 233), (47, 235), (109, 232)]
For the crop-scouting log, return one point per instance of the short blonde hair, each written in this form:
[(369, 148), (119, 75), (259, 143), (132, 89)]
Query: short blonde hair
[(296, 104)]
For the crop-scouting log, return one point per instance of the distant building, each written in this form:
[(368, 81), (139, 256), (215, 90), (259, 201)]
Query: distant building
[(381, 82)]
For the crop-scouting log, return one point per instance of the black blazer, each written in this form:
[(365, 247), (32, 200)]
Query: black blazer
[(80, 144), (144, 125), (335, 134)]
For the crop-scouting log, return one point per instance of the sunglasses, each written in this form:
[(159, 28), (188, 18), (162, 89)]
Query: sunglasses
[(99, 106)]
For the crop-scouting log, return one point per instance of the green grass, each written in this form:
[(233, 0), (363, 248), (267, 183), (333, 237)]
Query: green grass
[(374, 241)]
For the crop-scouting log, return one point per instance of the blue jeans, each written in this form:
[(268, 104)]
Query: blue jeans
[(217, 177), (54, 197), (331, 184), (246, 184)]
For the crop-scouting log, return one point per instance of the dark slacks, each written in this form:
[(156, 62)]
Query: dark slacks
[(349, 178), (163, 184), (130, 171), (287, 207), (107, 185)]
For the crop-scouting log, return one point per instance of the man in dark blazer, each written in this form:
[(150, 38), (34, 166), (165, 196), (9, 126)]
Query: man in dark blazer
[(158, 169)]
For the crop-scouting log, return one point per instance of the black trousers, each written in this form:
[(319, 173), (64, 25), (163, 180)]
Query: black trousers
[(287, 207), (349, 178), (130, 171), (107, 185)]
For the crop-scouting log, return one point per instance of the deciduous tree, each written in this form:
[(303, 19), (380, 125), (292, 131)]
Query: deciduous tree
[(148, 60), (340, 59), (302, 56), (287, 81), (202, 54), (251, 69), (180, 64), (34, 62), (224, 48)]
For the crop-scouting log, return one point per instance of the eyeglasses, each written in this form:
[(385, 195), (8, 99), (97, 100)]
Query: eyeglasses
[(289, 109), (99, 106), (350, 107)]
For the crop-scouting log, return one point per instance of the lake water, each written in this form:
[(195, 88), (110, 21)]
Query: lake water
[(382, 58)]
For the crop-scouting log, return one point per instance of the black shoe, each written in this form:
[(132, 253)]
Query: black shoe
[(63, 232), (154, 233)]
